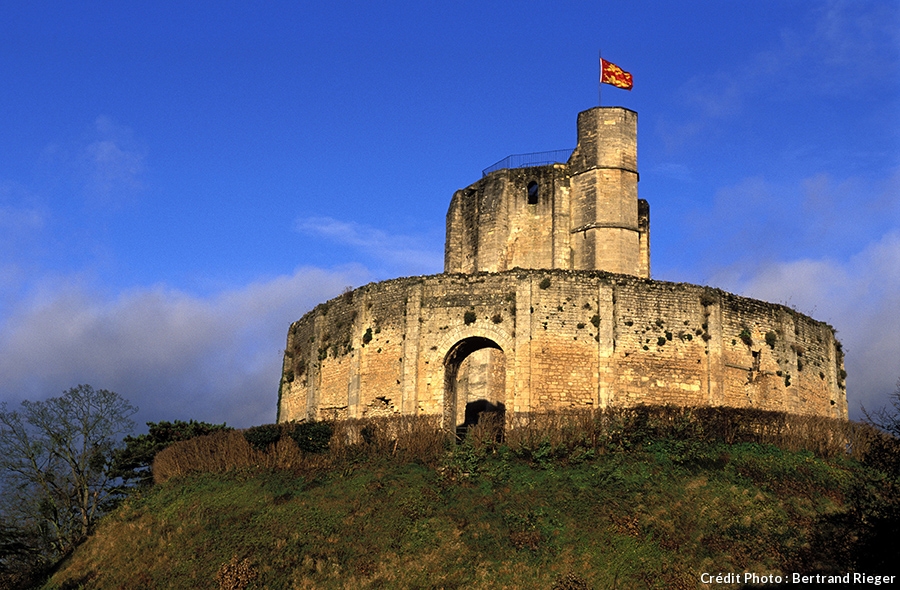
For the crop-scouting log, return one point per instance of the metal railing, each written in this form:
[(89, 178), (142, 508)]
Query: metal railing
[(529, 160)]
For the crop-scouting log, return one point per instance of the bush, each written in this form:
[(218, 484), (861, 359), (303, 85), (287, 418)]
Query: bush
[(134, 462), (261, 437), (225, 450), (404, 438), (544, 438), (312, 437)]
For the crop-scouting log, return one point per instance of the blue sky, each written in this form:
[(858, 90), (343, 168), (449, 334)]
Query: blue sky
[(180, 181)]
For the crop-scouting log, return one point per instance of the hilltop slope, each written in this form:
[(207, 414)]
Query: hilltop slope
[(658, 516)]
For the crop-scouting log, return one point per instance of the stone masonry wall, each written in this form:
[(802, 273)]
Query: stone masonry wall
[(582, 215), (565, 339)]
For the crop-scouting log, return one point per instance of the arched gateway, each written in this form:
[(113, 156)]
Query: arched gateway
[(474, 382), (478, 374)]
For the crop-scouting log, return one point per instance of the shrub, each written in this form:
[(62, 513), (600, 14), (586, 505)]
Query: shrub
[(469, 317), (260, 437), (545, 283), (134, 462), (405, 438), (368, 434), (745, 337), (367, 337), (312, 437), (771, 339), (220, 451)]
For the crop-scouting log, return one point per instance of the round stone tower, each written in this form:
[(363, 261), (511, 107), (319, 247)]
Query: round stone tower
[(604, 201)]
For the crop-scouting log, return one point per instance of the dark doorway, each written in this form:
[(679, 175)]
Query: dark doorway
[(481, 411), (474, 383)]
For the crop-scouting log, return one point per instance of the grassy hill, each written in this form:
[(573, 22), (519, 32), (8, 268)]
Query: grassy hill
[(646, 512)]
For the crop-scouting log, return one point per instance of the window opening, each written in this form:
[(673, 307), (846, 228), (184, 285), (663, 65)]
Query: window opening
[(532, 193)]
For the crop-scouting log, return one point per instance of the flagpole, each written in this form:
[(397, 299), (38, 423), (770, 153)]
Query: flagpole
[(600, 78)]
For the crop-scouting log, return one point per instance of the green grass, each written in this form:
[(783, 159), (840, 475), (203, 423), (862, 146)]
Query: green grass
[(656, 516)]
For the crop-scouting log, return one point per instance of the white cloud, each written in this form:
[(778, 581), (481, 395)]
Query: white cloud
[(860, 297), (105, 165), (112, 164), (850, 38), (176, 355), (22, 227), (848, 46), (405, 254), (673, 171), (19, 213), (761, 221), (15, 220)]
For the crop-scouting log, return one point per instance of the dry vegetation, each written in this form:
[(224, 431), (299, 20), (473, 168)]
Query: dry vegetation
[(407, 438), (419, 438)]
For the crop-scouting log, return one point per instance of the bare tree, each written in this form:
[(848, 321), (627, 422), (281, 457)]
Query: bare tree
[(55, 458), (887, 419)]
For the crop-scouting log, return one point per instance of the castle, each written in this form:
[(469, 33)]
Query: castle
[(546, 303)]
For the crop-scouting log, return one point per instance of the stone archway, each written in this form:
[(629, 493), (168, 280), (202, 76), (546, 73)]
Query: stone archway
[(474, 382)]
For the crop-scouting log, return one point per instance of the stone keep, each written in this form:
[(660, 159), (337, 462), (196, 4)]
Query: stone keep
[(546, 303), (580, 215)]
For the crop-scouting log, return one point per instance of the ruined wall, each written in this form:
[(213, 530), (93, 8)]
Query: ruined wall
[(553, 339), (583, 214), (492, 226)]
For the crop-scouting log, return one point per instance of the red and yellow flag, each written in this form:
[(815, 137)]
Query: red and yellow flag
[(610, 73)]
